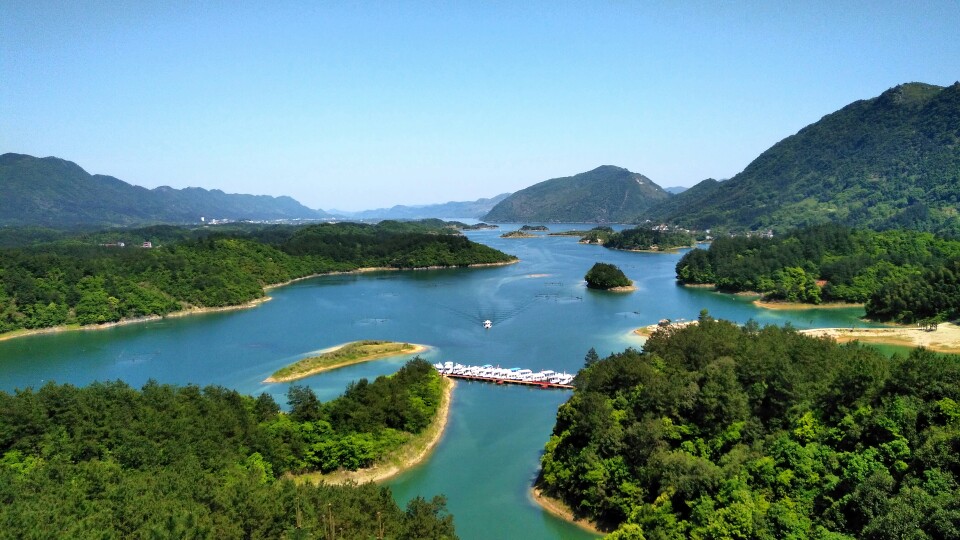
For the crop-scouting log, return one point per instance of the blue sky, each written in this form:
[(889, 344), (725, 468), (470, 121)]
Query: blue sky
[(360, 105)]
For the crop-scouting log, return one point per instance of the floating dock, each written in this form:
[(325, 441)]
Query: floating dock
[(509, 381), (498, 375)]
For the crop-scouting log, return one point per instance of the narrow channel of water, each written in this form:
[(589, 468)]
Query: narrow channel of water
[(543, 318)]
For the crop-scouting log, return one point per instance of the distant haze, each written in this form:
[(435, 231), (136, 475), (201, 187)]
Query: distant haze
[(369, 105)]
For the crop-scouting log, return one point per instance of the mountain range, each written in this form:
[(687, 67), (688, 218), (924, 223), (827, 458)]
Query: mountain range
[(467, 209), (892, 161), (54, 192)]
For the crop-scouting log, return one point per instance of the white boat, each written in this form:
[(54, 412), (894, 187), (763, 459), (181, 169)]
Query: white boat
[(488, 324)]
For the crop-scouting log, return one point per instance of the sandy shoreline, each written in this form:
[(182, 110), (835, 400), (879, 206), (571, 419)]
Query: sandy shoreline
[(774, 304), (417, 349), (200, 310), (945, 339), (405, 458), (796, 306), (136, 320), (647, 331), (557, 508)]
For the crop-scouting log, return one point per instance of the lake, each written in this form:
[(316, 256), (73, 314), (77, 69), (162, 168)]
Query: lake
[(543, 317)]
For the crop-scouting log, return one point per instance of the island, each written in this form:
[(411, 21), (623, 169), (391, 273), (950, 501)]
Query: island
[(608, 277), (654, 239), (517, 234), (348, 354), (539, 228), (478, 227)]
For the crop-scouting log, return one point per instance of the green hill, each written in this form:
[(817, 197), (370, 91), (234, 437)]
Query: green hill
[(888, 162), (54, 192), (605, 194)]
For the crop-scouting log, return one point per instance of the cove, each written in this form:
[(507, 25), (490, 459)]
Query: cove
[(543, 317)]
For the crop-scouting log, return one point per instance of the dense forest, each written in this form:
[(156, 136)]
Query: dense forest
[(720, 431), (647, 239), (91, 279), (109, 461), (606, 276), (894, 272)]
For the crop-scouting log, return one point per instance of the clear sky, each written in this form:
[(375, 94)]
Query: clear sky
[(357, 105)]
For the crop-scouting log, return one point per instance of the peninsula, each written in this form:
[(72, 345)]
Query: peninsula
[(348, 354), (411, 453), (101, 279)]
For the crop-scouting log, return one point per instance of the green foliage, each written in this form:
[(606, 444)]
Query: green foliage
[(606, 276), (901, 275), (890, 162), (108, 461), (605, 194), (77, 280), (645, 239), (718, 431)]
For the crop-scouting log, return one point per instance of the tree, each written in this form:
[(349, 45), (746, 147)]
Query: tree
[(606, 276)]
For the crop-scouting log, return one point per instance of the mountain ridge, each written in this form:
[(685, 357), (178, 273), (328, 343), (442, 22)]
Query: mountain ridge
[(606, 194), (884, 162), (53, 191), (451, 209)]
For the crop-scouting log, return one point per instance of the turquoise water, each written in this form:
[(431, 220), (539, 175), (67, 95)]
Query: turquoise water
[(544, 318)]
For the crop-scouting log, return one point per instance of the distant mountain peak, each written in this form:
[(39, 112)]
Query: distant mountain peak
[(606, 194)]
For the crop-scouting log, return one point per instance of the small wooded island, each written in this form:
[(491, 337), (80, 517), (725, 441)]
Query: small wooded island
[(608, 277), (517, 234), (341, 356)]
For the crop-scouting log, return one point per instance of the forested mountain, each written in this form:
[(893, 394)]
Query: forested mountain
[(109, 461), (892, 161), (720, 431), (606, 194), (54, 192), (467, 209)]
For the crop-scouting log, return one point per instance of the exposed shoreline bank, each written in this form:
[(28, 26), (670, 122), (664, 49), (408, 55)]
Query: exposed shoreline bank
[(408, 456), (945, 339), (246, 305), (798, 306), (135, 320), (417, 349), (558, 508), (773, 304)]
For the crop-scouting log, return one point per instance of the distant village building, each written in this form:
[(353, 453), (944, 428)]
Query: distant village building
[(147, 244)]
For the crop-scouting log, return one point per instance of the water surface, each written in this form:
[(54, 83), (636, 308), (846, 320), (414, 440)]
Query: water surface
[(543, 317)]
